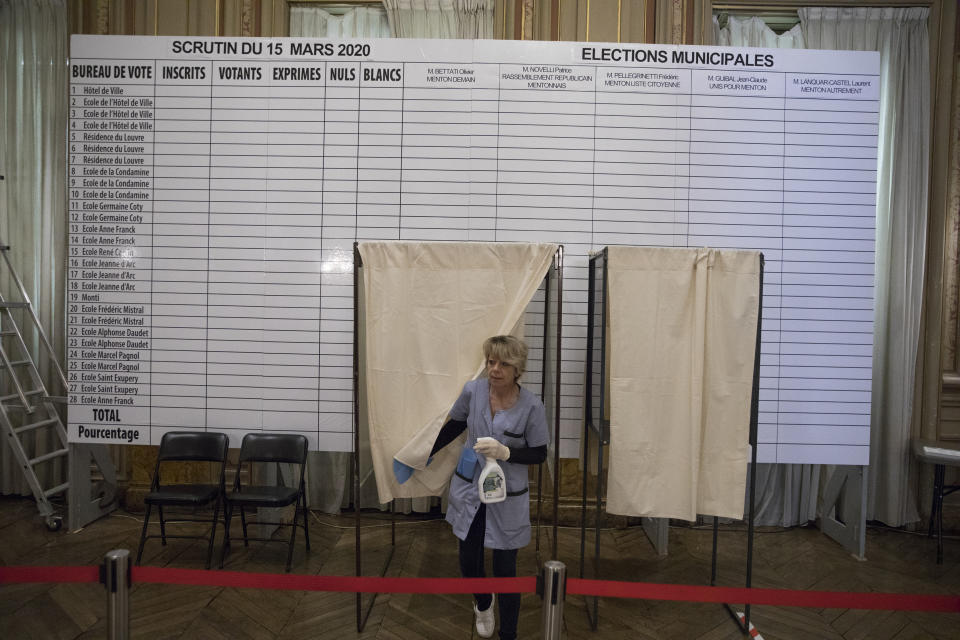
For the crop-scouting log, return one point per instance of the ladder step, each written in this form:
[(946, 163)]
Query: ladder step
[(14, 396), (20, 363), (14, 305), (57, 489), (49, 456), (54, 399), (36, 425), (9, 332)]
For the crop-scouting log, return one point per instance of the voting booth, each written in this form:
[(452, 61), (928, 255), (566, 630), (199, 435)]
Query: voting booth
[(672, 388), (421, 315)]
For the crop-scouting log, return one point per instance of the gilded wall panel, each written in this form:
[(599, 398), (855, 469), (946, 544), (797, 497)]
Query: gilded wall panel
[(231, 18), (203, 17), (275, 18), (568, 17), (543, 25), (142, 17), (583, 22), (121, 17), (173, 18), (603, 20), (636, 24), (951, 321), (665, 20), (504, 19)]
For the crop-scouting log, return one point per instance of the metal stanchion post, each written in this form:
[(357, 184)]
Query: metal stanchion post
[(115, 576), (553, 589)]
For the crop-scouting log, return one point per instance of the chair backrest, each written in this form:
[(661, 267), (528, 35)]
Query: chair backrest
[(193, 445), (274, 447)]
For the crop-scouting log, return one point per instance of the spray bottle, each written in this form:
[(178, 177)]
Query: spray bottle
[(492, 483)]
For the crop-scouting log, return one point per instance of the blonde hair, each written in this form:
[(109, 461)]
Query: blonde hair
[(507, 349)]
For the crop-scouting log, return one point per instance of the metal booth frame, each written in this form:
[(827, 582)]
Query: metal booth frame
[(553, 300), (598, 424)]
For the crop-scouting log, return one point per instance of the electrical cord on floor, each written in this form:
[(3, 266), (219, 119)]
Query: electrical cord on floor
[(740, 528), (879, 526), (406, 520)]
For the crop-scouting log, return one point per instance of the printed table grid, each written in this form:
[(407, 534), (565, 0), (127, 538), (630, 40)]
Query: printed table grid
[(211, 232)]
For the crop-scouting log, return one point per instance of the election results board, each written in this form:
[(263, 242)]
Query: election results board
[(217, 186)]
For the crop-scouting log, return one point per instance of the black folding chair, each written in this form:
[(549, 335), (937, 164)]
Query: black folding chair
[(269, 448), (187, 446)]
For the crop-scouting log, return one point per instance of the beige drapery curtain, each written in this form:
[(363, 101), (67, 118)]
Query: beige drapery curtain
[(786, 494), (683, 331), (463, 19), (902, 38), (311, 21), (427, 308), (754, 32), (329, 472), (33, 108)]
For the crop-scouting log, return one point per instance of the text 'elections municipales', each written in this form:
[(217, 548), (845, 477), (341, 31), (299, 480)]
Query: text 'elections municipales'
[(663, 56)]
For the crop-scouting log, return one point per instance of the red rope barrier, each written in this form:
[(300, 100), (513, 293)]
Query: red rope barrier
[(575, 586), (49, 574), (775, 597), (333, 583)]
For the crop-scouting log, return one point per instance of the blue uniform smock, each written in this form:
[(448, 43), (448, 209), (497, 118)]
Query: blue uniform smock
[(522, 425)]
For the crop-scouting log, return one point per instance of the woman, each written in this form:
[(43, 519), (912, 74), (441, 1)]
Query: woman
[(498, 407)]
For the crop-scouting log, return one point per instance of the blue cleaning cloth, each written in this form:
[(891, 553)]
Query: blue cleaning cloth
[(402, 472), (467, 462)]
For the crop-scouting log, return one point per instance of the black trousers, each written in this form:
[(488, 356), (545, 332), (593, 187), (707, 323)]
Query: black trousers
[(504, 566)]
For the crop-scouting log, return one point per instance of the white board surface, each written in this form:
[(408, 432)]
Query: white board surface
[(217, 186)]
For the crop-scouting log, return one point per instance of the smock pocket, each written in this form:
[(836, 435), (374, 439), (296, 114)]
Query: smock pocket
[(512, 517), (467, 464), (515, 440)]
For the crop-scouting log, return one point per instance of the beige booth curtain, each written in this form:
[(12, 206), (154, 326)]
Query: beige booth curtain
[(428, 307), (683, 331)]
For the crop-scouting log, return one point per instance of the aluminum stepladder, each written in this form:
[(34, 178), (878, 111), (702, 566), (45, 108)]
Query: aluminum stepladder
[(27, 409)]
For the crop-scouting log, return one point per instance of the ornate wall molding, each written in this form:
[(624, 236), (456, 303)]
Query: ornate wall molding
[(103, 17), (527, 20), (676, 33), (249, 18)]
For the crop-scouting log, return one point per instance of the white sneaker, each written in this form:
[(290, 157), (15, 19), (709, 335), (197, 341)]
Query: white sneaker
[(485, 620)]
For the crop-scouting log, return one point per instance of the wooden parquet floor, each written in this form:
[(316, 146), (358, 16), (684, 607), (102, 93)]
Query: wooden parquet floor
[(799, 558)]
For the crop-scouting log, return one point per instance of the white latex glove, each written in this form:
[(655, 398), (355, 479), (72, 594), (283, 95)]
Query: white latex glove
[(490, 448)]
